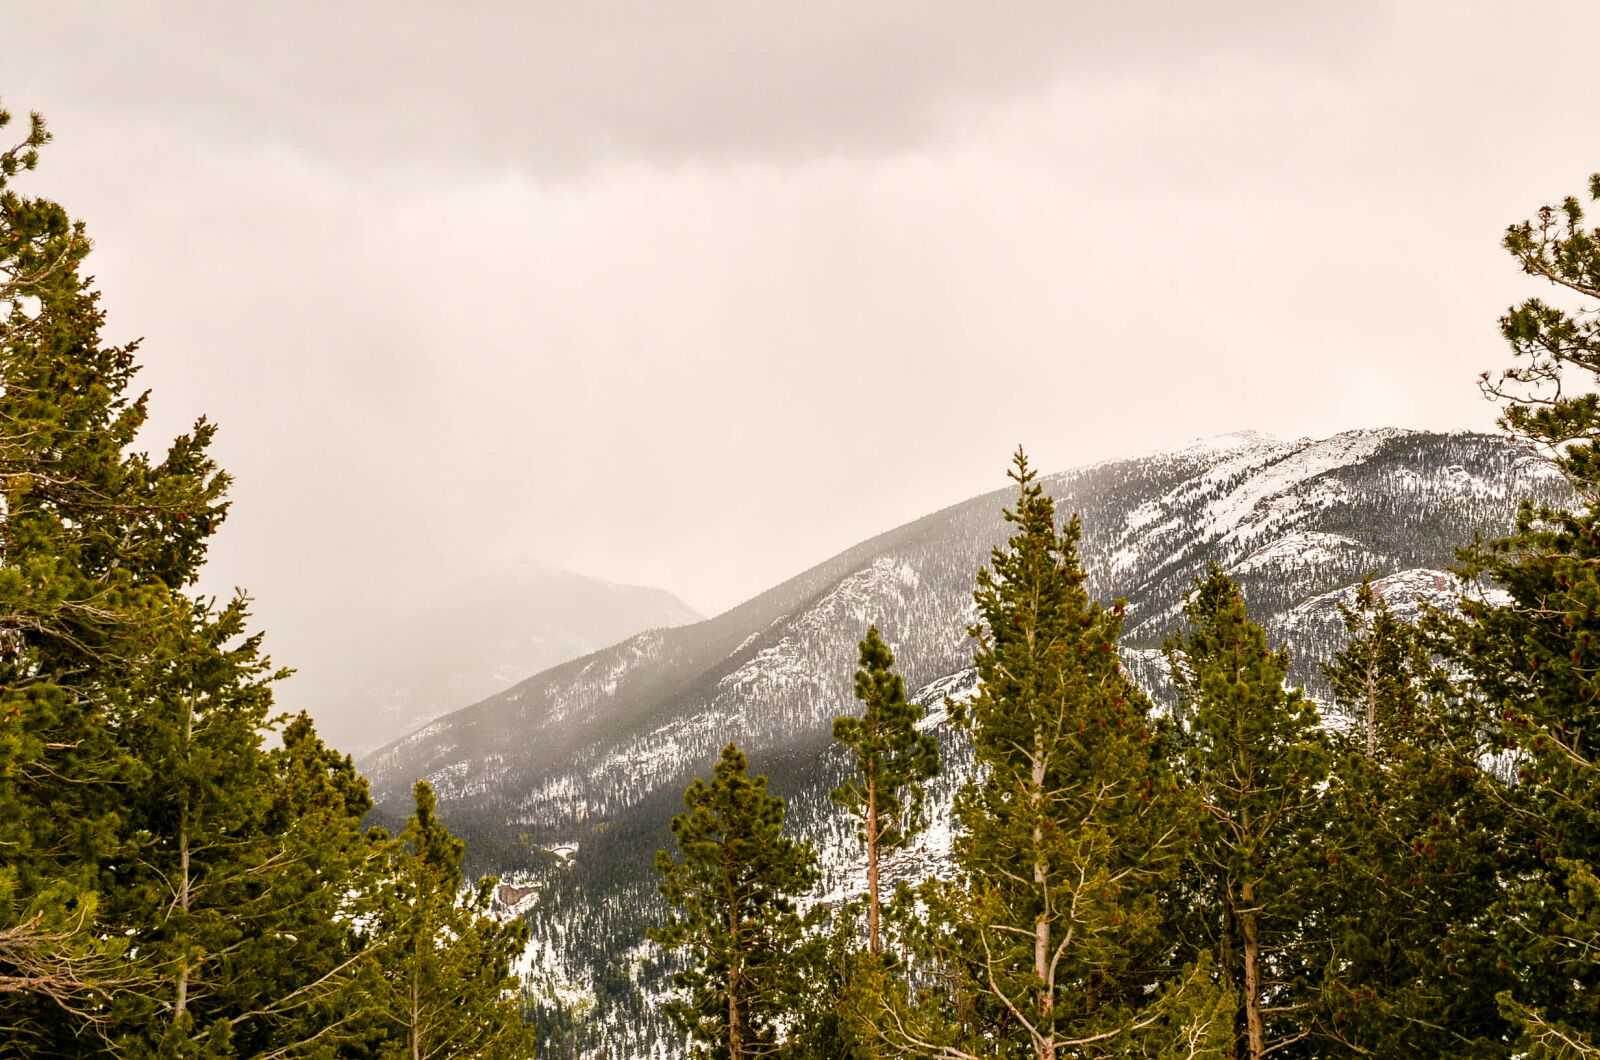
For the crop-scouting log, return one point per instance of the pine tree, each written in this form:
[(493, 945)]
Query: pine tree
[(190, 865), (442, 984), (1052, 930), (179, 875), (1551, 343), (246, 871), (1531, 664), (843, 985), (94, 539), (733, 891), (1530, 669), (1415, 829), (1254, 758), (1376, 676), (893, 761)]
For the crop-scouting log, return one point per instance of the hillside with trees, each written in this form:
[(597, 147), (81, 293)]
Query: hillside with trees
[(1215, 764)]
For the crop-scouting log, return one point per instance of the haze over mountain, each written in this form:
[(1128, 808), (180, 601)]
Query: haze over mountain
[(566, 781), (394, 673)]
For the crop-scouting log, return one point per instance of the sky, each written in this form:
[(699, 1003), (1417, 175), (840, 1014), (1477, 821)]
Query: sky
[(695, 295)]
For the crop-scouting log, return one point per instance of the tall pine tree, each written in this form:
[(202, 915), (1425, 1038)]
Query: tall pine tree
[(1532, 664), (442, 985), (1254, 759), (733, 892), (1414, 828), (94, 540), (893, 761), (1051, 933), (179, 874)]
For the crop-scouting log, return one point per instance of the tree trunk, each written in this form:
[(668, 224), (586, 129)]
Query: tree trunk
[(873, 945), (1230, 965), (1252, 974), (181, 1003), (1041, 927), (416, 1018), (1047, 995), (416, 998), (735, 1030), (1372, 705)]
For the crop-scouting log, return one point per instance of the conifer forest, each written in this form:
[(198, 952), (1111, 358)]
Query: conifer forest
[(1178, 829)]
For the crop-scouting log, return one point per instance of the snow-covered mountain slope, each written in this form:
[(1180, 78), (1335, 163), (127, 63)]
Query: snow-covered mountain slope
[(593, 756), (391, 674)]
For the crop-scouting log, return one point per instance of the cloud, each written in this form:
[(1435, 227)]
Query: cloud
[(695, 294), (558, 88)]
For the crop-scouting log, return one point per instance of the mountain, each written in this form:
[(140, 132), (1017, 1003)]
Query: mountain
[(565, 782), (396, 673)]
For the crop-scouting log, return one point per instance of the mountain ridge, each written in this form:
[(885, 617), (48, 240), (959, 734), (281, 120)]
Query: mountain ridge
[(591, 758), (454, 647)]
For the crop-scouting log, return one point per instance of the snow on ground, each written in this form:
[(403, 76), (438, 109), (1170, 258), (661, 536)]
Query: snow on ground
[(1304, 549)]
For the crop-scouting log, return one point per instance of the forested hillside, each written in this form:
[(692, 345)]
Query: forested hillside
[(590, 759), (1251, 749)]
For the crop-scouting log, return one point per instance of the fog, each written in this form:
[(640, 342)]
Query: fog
[(695, 295)]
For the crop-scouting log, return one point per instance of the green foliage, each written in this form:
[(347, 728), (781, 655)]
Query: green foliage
[(1375, 676), (893, 761), (733, 890), (441, 984), (1531, 677), (195, 886), (1415, 827), (1547, 407), (181, 874), (1549, 1037), (1531, 666), (1051, 934), (95, 541), (843, 985), (1254, 759)]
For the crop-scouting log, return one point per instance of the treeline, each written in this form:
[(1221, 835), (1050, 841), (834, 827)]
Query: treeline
[(182, 874), (1415, 872)]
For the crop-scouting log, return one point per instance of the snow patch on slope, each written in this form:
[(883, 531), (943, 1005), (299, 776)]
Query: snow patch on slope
[(1248, 510), (1303, 549)]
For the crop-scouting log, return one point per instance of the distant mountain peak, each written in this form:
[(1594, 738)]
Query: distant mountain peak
[(470, 640)]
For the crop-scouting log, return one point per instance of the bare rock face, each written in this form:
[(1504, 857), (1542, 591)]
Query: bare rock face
[(565, 782)]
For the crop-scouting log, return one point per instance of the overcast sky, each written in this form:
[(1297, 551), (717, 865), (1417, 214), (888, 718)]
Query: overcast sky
[(696, 294)]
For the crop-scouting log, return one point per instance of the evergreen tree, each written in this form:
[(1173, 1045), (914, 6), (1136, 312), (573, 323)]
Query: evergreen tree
[(1531, 669), (1052, 931), (188, 868), (179, 876), (733, 890), (893, 761), (1546, 406), (442, 984), (1531, 664), (1255, 759), (94, 539), (245, 870), (843, 985), (1415, 829), (1376, 677)]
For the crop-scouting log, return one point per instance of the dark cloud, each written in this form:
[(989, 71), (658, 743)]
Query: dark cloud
[(555, 87)]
